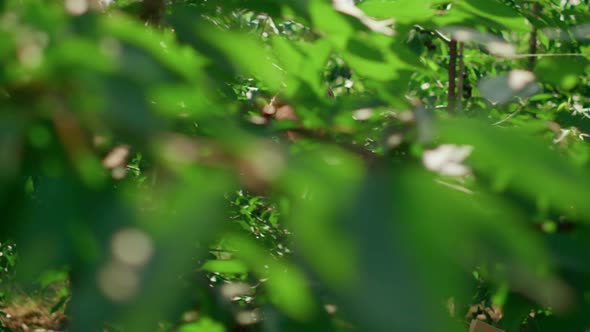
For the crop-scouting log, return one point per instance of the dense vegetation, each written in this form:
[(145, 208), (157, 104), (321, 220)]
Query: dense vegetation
[(224, 165)]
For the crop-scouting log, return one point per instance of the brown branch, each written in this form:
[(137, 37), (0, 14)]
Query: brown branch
[(452, 75), (533, 37)]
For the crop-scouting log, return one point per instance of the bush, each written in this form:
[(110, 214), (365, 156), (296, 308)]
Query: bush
[(297, 165)]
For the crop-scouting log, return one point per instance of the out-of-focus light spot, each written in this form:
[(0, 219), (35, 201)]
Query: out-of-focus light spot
[(119, 172), (520, 79), (257, 120), (501, 48), (269, 109), (248, 317), (362, 114), (265, 160), (30, 55), (447, 159), (179, 149), (394, 140), (331, 308), (406, 116), (76, 7), (132, 247), (118, 282), (99, 141), (235, 289), (462, 35), (117, 157), (190, 316), (286, 113)]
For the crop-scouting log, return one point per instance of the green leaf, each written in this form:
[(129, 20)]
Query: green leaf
[(287, 286), (49, 277), (489, 13), (225, 266), (204, 324), (403, 11), (568, 75), (81, 53), (371, 58), (246, 53), (181, 60), (334, 25), (523, 164)]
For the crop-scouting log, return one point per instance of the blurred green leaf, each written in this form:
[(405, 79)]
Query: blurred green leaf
[(568, 75), (204, 324), (492, 14), (403, 11), (287, 286), (225, 266), (512, 160)]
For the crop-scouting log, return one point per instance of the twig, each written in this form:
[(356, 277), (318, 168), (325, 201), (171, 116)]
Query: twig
[(455, 187), (441, 36), (508, 117), (437, 33), (518, 56)]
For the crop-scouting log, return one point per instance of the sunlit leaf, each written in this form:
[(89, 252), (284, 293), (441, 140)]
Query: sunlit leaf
[(404, 11)]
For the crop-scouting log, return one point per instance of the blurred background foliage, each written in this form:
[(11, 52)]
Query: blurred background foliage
[(224, 165)]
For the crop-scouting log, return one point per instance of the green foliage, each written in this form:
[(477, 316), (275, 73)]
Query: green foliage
[(296, 165)]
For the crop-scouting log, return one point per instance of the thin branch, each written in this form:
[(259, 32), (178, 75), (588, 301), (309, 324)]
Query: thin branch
[(518, 56), (437, 33), (508, 117), (455, 187), (452, 75), (539, 55), (441, 36)]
